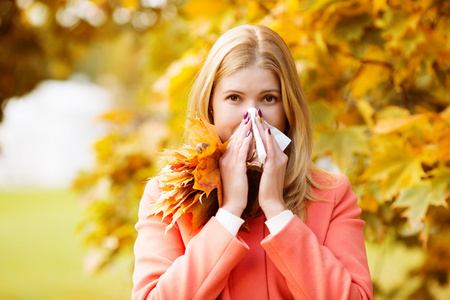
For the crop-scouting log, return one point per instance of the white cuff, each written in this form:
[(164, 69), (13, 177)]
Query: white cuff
[(275, 224), (231, 222)]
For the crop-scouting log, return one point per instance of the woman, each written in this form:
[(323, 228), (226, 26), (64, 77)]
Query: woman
[(306, 242)]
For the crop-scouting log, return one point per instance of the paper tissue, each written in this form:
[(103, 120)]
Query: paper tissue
[(257, 153)]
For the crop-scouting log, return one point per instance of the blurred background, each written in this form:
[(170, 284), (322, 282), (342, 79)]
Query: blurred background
[(92, 90)]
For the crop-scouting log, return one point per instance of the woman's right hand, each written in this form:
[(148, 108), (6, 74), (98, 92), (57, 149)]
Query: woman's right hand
[(233, 169)]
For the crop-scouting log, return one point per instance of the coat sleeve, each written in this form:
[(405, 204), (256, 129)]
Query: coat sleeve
[(338, 269), (167, 269)]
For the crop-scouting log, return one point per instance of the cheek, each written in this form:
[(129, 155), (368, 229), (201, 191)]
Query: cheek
[(226, 124), (276, 118)]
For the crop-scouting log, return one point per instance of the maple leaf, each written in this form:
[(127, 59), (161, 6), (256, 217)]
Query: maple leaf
[(343, 144), (201, 131), (419, 196), (395, 166), (207, 173)]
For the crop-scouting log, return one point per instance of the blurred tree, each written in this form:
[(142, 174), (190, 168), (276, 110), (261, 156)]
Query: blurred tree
[(46, 39), (376, 73)]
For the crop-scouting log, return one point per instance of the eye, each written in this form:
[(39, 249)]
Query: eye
[(233, 98), (270, 99)]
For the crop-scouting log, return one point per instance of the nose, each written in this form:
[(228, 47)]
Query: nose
[(252, 104)]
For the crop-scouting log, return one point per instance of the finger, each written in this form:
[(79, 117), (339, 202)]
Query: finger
[(270, 149), (261, 126), (237, 141), (243, 153), (241, 129)]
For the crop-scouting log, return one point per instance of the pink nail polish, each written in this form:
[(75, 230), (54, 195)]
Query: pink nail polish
[(268, 130), (248, 133), (246, 122), (246, 115), (259, 113)]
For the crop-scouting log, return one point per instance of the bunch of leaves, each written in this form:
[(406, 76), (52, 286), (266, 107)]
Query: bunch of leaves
[(191, 175)]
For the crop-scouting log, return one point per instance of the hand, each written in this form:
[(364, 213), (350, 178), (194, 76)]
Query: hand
[(271, 187), (233, 169)]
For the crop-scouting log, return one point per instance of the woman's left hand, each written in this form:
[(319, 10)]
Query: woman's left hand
[(271, 187)]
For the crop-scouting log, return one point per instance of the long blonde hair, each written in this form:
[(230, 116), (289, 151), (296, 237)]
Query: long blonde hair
[(250, 45)]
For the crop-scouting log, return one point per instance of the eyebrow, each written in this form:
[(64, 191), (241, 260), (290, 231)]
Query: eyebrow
[(242, 93)]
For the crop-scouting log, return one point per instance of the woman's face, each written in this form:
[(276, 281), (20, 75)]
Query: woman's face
[(249, 87)]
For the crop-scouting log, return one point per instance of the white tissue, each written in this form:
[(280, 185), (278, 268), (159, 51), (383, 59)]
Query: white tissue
[(259, 157)]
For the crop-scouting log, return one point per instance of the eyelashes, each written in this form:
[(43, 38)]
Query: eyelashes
[(267, 98)]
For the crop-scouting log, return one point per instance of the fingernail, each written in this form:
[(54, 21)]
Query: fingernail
[(259, 119), (246, 115), (246, 122), (248, 133), (268, 130), (259, 113)]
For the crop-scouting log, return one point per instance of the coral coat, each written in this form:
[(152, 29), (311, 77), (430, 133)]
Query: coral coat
[(323, 259)]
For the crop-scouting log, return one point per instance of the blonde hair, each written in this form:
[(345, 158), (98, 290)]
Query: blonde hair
[(250, 45)]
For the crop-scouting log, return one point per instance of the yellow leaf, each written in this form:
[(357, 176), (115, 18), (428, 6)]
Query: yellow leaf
[(322, 113), (366, 111), (392, 112), (118, 116), (440, 186), (399, 124), (204, 8), (444, 146), (343, 144), (369, 78), (419, 196), (130, 4), (379, 5), (395, 167), (254, 11)]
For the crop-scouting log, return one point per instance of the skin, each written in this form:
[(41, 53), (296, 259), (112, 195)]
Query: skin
[(232, 96)]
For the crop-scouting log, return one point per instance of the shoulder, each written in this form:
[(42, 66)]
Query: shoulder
[(152, 187), (333, 187), (323, 180)]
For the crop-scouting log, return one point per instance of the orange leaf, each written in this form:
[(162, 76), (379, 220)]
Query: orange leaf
[(203, 210), (200, 131), (207, 173)]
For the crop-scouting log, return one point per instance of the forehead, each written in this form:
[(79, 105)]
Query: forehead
[(250, 78)]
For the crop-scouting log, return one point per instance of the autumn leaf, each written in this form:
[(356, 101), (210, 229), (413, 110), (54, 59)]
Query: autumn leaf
[(323, 113), (416, 199), (397, 124), (366, 111), (204, 209), (419, 196), (343, 145), (207, 173), (201, 131), (395, 167), (440, 186), (370, 78)]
